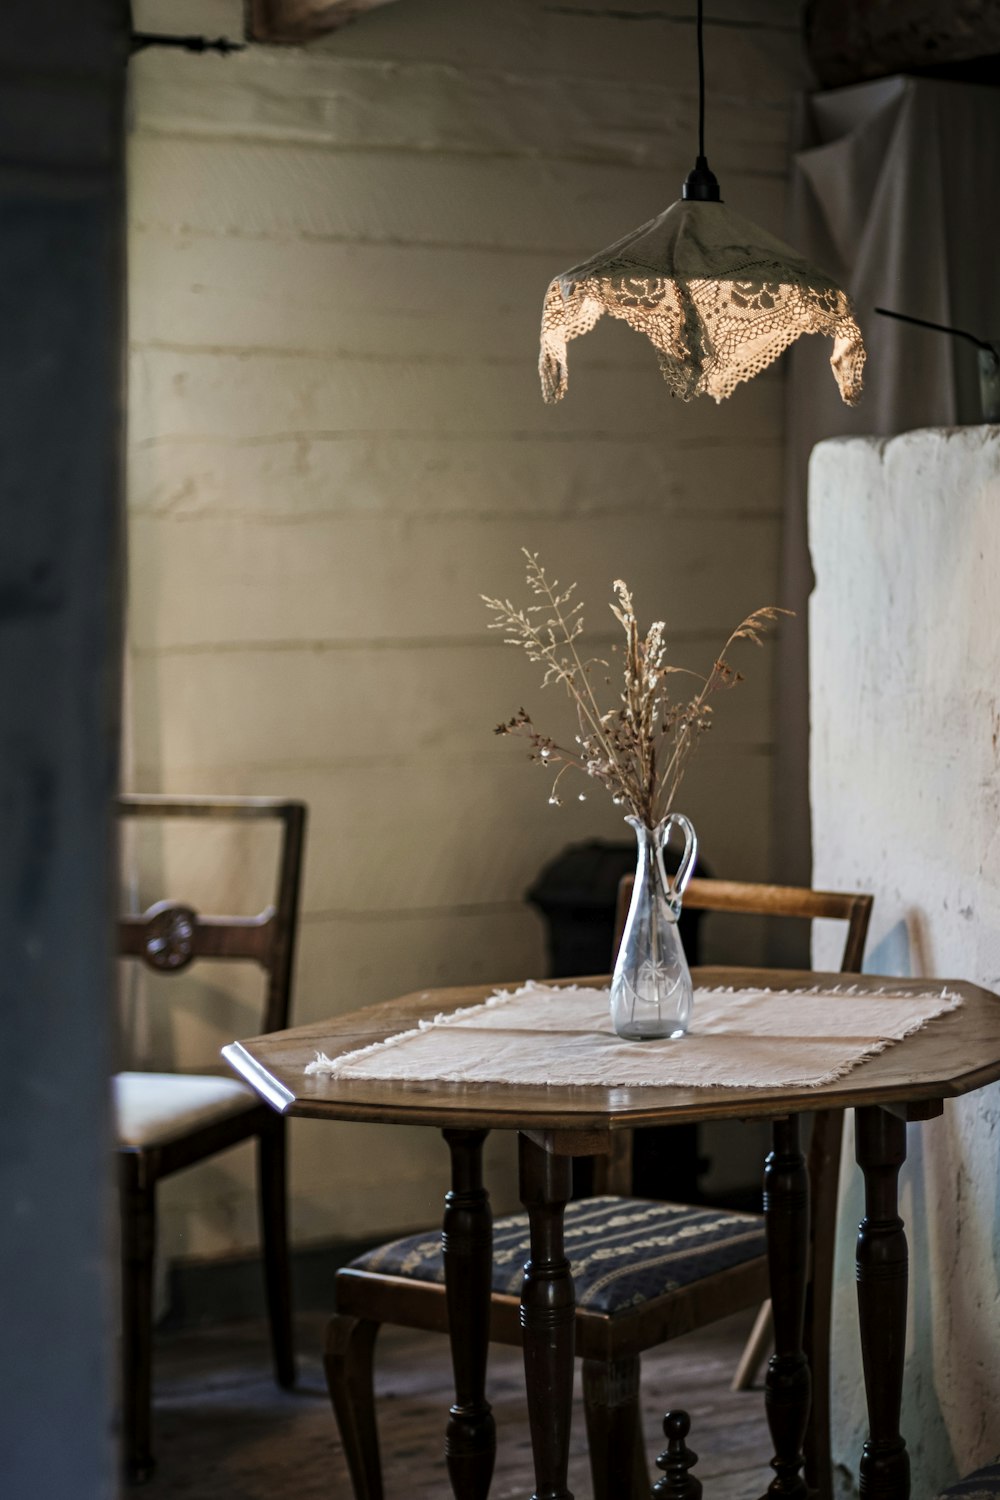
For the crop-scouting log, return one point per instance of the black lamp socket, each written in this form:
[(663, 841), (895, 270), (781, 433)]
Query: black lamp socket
[(701, 183)]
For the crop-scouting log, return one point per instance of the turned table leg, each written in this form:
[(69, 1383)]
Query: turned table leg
[(548, 1307), (787, 1386), (880, 1143), (467, 1244)]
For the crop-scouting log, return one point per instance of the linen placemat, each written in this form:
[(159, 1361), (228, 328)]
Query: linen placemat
[(746, 1038)]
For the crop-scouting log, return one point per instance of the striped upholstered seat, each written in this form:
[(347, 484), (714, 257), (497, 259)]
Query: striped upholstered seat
[(623, 1251), (983, 1484)]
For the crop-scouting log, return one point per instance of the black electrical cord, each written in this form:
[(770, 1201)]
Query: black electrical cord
[(701, 183), (701, 82)]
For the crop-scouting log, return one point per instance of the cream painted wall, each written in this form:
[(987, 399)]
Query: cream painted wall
[(905, 630), (337, 443)]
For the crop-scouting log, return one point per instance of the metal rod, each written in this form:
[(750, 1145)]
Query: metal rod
[(143, 39), (959, 333)]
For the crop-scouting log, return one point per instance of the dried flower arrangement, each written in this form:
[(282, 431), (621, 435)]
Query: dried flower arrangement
[(639, 748)]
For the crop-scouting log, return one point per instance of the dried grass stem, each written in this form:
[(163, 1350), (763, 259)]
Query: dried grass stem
[(621, 746)]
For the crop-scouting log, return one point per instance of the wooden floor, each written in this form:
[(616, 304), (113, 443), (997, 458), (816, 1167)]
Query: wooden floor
[(222, 1429)]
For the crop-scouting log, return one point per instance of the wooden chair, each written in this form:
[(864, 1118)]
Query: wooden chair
[(167, 1121), (717, 1266)]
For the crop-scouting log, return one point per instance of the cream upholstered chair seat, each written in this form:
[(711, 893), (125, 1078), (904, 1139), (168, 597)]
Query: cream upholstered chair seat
[(167, 1122), (153, 1108)]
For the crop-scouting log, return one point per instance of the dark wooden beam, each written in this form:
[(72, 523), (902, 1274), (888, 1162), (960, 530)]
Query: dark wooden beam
[(850, 41), (61, 310), (299, 20)]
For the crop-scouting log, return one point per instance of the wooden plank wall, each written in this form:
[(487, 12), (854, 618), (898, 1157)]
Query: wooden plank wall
[(337, 442)]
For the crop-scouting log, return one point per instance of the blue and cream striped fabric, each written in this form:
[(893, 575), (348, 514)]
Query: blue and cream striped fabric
[(623, 1251), (984, 1484)]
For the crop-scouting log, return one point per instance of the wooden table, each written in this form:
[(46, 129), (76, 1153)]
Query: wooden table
[(952, 1055)]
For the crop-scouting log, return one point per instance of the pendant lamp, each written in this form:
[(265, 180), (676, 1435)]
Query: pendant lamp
[(717, 296)]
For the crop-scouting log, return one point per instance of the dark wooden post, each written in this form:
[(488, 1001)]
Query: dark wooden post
[(548, 1308), (61, 312), (787, 1386), (880, 1147), (467, 1245)]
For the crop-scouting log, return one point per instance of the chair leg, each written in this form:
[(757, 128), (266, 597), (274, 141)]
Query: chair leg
[(824, 1163), (817, 1447), (138, 1241), (755, 1349), (347, 1360), (273, 1203), (614, 1429)]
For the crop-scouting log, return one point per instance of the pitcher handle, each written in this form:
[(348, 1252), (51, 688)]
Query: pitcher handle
[(676, 887)]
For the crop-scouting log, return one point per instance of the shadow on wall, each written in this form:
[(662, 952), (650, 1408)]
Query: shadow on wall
[(926, 1438), (891, 955)]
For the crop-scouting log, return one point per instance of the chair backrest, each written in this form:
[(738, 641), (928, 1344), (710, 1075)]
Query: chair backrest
[(170, 935), (746, 898)]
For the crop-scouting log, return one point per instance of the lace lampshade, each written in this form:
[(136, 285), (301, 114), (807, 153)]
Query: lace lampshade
[(719, 297)]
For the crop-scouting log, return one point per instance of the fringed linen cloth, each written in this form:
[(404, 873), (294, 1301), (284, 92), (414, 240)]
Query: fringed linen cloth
[(746, 1038)]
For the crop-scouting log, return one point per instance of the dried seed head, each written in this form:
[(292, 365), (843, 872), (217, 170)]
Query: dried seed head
[(639, 748)]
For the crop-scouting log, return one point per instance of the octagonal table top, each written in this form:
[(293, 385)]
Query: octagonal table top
[(953, 1054)]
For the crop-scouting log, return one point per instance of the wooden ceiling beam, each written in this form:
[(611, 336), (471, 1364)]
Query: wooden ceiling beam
[(300, 20), (850, 41)]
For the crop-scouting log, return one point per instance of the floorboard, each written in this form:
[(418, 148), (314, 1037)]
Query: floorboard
[(223, 1431)]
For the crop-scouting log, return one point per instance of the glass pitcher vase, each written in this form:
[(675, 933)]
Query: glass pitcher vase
[(651, 990)]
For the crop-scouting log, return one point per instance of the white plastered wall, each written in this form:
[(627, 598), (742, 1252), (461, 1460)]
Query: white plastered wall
[(337, 442), (905, 777)]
